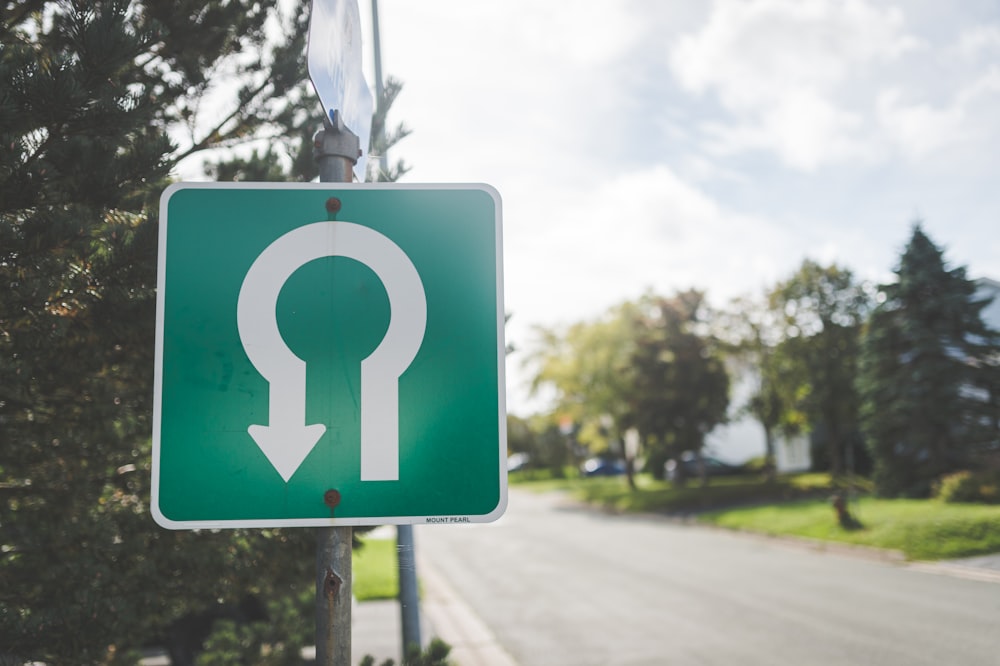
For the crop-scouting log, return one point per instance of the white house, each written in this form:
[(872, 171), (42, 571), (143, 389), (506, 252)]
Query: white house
[(991, 313), (743, 437)]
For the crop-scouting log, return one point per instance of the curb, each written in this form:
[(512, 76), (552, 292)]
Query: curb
[(472, 643), (957, 571)]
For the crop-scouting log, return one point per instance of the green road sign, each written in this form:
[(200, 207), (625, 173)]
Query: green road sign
[(323, 336)]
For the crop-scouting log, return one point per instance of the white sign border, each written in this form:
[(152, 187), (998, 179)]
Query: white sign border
[(168, 523)]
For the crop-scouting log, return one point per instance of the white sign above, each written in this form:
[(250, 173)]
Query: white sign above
[(334, 55)]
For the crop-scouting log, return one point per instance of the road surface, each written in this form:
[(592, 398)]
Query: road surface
[(557, 583)]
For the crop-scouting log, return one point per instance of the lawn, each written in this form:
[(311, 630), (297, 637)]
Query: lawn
[(920, 529), (799, 506), (613, 493), (375, 571)]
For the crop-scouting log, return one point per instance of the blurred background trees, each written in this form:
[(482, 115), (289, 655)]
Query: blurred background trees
[(680, 387), (587, 367), (821, 311), (929, 374), (900, 379), (651, 364)]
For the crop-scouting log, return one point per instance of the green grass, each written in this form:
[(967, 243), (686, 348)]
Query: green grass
[(920, 529), (613, 493), (376, 575), (799, 506)]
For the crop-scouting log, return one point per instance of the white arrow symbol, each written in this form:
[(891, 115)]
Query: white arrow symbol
[(287, 440)]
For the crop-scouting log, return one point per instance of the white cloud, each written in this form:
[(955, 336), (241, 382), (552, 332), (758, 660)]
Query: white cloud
[(588, 34), (980, 40), (504, 86), (803, 128), (644, 229), (777, 66), (921, 129)]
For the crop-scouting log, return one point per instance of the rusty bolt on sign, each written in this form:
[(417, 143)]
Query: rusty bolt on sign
[(333, 205), (331, 498)]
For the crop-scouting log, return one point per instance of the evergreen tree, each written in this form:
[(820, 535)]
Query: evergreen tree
[(382, 139), (927, 366), (99, 101)]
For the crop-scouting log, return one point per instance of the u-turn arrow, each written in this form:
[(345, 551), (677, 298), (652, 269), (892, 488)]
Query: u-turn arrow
[(287, 440)]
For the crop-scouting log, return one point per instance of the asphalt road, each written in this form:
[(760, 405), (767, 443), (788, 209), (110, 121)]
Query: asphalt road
[(560, 584)]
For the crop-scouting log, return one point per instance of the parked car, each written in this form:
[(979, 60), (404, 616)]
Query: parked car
[(602, 467), (687, 467)]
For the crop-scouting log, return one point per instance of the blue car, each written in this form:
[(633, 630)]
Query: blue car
[(602, 467)]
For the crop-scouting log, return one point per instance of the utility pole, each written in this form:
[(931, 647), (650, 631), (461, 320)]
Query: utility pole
[(336, 150), (383, 158), (409, 597)]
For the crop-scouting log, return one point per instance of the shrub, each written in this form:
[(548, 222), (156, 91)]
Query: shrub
[(981, 487), (436, 655)]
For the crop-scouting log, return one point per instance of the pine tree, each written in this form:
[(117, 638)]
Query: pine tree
[(382, 139), (928, 363), (99, 100)]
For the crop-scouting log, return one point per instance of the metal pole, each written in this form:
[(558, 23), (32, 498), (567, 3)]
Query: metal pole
[(377, 42), (336, 149), (333, 596), (383, 159), (409, 597)]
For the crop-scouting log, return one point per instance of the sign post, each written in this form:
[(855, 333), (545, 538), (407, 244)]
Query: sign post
[(316, 337), (335, 70), (336, 152)]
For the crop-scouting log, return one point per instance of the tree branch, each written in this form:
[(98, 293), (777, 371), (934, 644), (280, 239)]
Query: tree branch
[(208, 141)]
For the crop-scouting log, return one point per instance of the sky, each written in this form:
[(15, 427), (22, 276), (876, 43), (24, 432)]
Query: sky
[(641, 145)]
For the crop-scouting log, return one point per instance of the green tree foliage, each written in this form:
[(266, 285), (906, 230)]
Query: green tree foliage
[(587, 365), (99, 100), (650, 364), (751, 334), (821, 310), (679, 386), (928, 373), (275, 641), (540, 438), (436, 654), (382, 138), (980, 487)]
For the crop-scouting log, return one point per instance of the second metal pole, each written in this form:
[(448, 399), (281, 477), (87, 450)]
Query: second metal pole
[(409, 596)]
